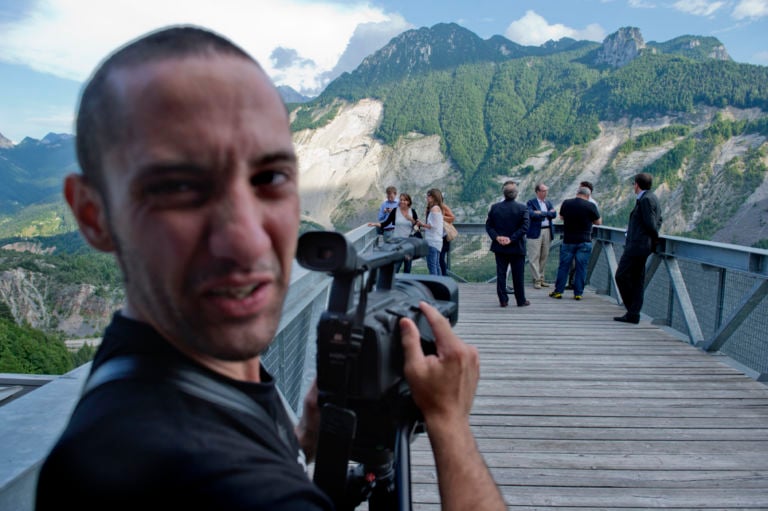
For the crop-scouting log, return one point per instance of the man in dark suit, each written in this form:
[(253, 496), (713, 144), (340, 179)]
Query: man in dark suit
[(540, 234), (642, 238), (507, 224)]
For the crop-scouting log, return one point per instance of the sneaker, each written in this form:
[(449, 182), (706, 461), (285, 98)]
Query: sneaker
[(577, 297), (536, 285), (555, 294), (543, 284)]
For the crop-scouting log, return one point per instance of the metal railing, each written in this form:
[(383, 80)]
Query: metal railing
[(712, 293), (30, 425)]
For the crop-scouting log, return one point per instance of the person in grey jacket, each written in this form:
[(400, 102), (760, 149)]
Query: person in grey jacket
[(506, 225), (642, 238)]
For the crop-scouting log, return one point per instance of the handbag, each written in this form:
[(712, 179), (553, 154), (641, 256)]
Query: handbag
[(415, 232), (450, 231)]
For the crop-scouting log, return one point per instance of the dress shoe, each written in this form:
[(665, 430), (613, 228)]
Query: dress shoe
[(627, 319), (524, 304), (504, 304)]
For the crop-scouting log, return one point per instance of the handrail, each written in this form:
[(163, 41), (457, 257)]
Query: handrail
[(711, 293)]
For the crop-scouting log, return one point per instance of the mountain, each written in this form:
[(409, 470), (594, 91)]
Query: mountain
[(290, 95), (31, 174), (441, 107), (5, 143)]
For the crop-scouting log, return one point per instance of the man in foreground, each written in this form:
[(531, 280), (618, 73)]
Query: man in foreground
[(642, 238), (506, 225), (579, 215), (190, 179)]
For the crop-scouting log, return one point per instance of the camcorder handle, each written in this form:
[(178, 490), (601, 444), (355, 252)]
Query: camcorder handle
[(334, 448)]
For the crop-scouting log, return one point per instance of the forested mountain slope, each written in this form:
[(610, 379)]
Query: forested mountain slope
[(481, 111)]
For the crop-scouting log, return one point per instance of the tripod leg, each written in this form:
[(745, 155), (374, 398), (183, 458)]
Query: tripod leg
[(396, 495), (403, 467)]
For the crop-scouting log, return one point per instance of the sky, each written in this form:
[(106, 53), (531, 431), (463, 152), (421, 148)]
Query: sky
[(48, 48)]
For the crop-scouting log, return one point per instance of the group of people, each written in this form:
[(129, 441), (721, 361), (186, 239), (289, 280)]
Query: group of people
[(399, 219), (190, 179), (517, 231)]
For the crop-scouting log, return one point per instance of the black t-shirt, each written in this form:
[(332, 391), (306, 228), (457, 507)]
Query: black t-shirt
[(578, 217), (131, 444)]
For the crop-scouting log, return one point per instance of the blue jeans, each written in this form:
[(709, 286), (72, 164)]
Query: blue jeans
[(569, 252), (433, 261)]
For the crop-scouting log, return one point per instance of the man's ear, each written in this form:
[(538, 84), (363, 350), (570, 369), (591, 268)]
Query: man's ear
[(87, 206)]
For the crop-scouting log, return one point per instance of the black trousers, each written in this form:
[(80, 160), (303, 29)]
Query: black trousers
[(517, 264), (630, 279)]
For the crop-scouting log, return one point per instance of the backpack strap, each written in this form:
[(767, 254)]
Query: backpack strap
[(191, 381)]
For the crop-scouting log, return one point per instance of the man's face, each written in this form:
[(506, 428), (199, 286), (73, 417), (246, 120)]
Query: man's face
[(203, 200), (541, 193), (391, 196)]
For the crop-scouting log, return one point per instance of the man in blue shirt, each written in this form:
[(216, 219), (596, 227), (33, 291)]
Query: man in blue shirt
[(386, 207)]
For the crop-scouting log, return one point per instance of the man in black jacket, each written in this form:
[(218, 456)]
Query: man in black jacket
[(642, 238), (579, 215), (507, 224), (190, 179)]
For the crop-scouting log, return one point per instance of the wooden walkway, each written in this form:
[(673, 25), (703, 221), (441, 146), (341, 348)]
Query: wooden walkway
[(577, 411)]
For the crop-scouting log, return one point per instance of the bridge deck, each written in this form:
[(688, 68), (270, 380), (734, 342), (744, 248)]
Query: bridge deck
[(577, 411)]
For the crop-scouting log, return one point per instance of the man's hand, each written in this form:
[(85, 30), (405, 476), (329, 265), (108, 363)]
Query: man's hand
[(443, 386)]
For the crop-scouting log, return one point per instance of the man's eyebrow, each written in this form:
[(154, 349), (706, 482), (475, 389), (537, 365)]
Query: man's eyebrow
[(275, 157), (159, 168)]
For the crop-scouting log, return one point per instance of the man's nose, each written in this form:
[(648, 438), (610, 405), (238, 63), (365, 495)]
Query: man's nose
[(237, 228)]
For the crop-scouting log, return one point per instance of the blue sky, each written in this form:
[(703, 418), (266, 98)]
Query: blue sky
[(49, 47)]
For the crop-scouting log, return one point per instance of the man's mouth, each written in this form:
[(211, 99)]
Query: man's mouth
[(237, 292)]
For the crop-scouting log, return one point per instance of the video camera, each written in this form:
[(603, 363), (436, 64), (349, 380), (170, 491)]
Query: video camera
[(367, 413)]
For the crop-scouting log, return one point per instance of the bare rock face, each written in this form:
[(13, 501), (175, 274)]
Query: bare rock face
[(344, 169), (621, 47), (76, 310)]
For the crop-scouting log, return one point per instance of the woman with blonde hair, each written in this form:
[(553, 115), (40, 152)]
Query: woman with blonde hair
[(433, 229)]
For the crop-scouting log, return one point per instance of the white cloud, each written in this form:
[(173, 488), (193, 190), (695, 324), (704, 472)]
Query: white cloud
[(750, 9), (698, 7), (68, 38), (641, 4), (533, 30), (367, 39)]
